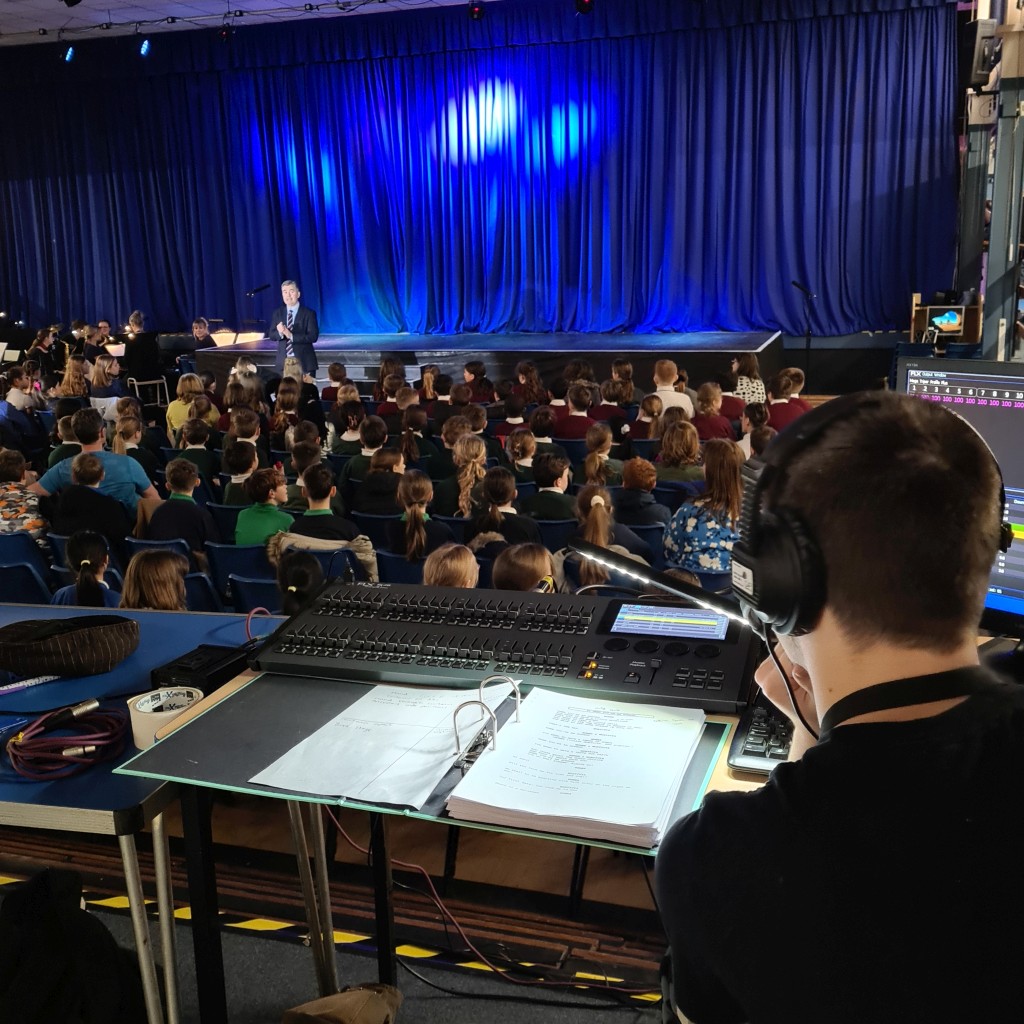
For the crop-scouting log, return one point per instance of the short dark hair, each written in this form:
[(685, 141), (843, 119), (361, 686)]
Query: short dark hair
[(899, 459), (86, 469), (580, 397), (244, 422), (196, 431), (548, 467), (87, 425), (760, 438), (305, 454), (239, 457), (318, 481), (373, 432), (12, 466), (181, 475)]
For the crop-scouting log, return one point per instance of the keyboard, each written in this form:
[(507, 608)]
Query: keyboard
[(761, 739)]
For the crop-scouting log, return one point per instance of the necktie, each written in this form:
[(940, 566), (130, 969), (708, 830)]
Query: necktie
[(289, 348)]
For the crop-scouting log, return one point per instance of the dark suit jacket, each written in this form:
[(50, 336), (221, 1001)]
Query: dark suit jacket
[(305, 331)]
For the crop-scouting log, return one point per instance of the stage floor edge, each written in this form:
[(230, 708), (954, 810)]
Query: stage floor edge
[(701, 353)]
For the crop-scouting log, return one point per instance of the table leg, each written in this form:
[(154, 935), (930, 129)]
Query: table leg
[(140, 926), (196, 808), (580, 860), (316, 939), (383, 887), (451, 854), (165, 903), (323, 886)]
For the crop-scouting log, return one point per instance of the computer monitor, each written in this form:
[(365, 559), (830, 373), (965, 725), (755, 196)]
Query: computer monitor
[(948, 321), (990, 396)]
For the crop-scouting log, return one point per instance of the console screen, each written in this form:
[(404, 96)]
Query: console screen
[(684, 623)]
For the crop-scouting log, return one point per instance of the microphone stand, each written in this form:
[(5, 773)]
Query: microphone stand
[(807, 333)]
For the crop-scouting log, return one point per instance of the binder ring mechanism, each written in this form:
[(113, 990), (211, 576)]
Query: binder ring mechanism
[(486, 735)]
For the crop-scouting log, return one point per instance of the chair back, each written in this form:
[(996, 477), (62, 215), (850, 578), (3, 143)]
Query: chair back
[(575, 448), (396, 569), (19, 548), (715, 582), (337, 462), (645, 447), (253, 593), (963, 349), (249, 560), (654, 535), (200, 594), (339, 563), (58, 547), (555, 533), (456, 524), (524, 488), (134, 545), (373, 526), (225, 516), (25, 581), (486, 567)]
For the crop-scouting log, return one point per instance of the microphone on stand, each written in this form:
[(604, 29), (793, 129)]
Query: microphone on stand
[(807, 291), (261, 288)]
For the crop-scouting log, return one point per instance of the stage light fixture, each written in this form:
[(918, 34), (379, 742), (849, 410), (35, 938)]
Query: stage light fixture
[(225, 32), (71, 3), (170, 20), (42, 32), (585, 6), (105, 26), (476, 10), (144, 48), (67, 54)]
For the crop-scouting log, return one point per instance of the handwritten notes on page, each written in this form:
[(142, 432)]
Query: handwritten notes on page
[(597, 769), (392, 746)]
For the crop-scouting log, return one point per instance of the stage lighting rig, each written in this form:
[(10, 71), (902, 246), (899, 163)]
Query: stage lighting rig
[(475, 10)]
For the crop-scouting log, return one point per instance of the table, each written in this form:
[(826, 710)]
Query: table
[(99, 802), (264, 718)]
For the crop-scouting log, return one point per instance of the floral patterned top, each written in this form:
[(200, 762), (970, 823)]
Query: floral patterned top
[(700, 539)]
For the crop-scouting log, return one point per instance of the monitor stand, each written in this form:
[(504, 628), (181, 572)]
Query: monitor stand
[(1005, 656)]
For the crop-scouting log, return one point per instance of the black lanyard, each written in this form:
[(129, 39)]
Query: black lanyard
[(959, 682)]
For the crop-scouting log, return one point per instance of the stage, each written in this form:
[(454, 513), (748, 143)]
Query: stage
[(701, 354)]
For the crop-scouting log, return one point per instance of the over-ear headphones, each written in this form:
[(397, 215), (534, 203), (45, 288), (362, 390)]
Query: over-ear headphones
[(778, 571)]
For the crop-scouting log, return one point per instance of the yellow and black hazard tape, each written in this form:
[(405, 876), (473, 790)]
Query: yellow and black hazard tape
[(290, 931)]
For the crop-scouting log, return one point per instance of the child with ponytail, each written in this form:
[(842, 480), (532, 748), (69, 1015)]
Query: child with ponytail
[(598, 527), (415, 534), (598, 468), (88, 557)]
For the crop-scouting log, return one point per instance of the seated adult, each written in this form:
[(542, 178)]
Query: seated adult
[(451, 565), (87, 556), (180, 516), (885, 836), (123, 478), (551, 472), (634, 501), (702, 530), (19, 506), (319, 520), (82, 505), (259, 521)]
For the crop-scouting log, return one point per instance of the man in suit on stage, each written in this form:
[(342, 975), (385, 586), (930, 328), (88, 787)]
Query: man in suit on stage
[(295, 330)]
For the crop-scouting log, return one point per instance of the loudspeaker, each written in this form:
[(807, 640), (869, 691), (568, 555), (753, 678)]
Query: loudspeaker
[(778, 571)]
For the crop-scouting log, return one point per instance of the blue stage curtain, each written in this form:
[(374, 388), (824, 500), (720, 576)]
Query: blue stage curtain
[(656, 166)]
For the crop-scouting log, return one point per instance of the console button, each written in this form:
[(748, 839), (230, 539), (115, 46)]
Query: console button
[(617, 643)]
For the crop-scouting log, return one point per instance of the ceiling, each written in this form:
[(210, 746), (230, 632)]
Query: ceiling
[(21, 21)]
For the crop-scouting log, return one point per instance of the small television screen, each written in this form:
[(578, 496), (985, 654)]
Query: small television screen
[(947, 320), (990, 396)]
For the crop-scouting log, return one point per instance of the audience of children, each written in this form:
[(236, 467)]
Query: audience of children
[(444, 430)]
